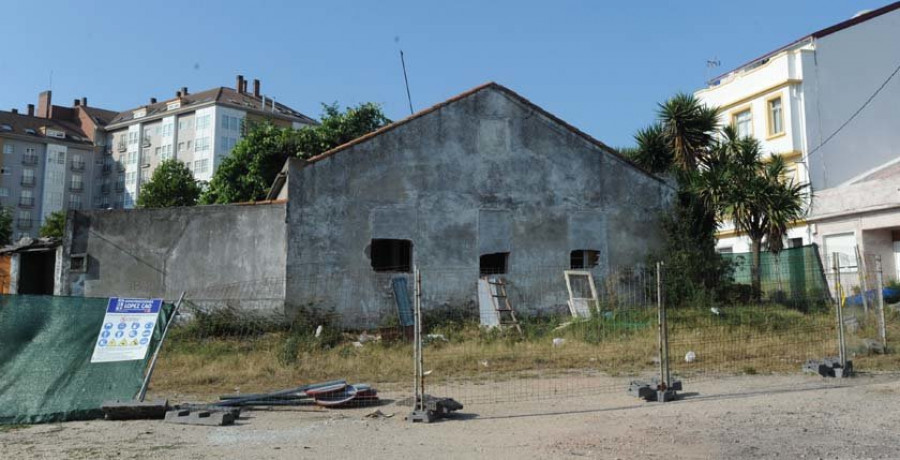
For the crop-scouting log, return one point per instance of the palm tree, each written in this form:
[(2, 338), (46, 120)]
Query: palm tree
[(753, 193), (679, 141), (689, 129)]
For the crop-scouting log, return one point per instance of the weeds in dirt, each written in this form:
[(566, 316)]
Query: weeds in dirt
[(736, 340)]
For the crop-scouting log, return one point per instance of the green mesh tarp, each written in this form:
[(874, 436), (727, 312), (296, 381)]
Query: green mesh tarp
[(46, 374), (793, 273)]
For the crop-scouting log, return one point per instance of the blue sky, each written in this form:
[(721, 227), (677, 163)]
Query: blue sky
[(601, 66)]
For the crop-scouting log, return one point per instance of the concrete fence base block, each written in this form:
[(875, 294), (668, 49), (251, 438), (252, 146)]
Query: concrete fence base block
[(206, 418), (653, 391), (134, 410)]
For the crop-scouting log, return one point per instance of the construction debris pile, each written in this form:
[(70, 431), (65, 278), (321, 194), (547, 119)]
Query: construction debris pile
[(337, 393)]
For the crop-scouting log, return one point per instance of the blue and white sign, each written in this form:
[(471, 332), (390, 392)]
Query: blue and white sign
[(126, 317)]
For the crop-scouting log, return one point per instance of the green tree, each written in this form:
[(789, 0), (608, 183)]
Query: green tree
[(752, 193), (678, 146), (172, 184), (54, 226), (248, 172), (6, 223)]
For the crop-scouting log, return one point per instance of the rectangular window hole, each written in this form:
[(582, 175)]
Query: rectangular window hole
[(78, 263), (391, 255), (583, 259), (494, 264)]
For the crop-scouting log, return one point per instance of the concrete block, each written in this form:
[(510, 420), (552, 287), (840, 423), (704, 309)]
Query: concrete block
[(134, 410), (206, 418)]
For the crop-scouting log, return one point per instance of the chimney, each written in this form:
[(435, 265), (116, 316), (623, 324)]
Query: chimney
[(240, 84), (177, 93), (244, 89), (256, 88), (75, 103), (184, 91), (45, 105), (30, 110), (153, 100), (14, 111), (84, 102)]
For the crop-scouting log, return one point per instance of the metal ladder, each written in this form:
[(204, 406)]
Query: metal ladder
[(505, 312)]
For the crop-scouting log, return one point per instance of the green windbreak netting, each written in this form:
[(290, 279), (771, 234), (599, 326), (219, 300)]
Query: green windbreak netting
[(46, 374), (793, 273)]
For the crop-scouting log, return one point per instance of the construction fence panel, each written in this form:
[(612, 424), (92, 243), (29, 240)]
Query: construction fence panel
[(46, 373), (240, 338), (771, 325), (575, 333), (868, 311)]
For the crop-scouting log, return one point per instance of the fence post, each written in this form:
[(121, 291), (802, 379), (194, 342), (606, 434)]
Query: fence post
[(861, 269), (836, 266), (142, 393), (665, 390), (659, 333), (879, 294), (417, 340), (421, 363)]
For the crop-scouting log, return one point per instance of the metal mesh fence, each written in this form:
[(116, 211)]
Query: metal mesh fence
[(575, 333), (542, 333)]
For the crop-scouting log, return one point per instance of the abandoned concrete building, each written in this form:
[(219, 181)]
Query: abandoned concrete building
[(485, 183)]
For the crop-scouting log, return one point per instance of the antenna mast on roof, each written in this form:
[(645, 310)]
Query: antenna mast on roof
[(713, 63), (405, 79)]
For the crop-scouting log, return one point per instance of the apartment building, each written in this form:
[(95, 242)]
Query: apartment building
[(49, 160), (198, 129), (57, 158), (826, 104)]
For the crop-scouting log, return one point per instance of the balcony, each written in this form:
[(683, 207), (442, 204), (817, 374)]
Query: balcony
[(121, 167), (145, 142), (120, 186), (123, 146), (29, 160), (26, 201), (76, 187), (105, 188), (107, 168), (77, 165), (27, 181), (23, 223)]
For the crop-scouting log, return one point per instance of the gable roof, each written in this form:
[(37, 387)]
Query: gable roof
[(815, 35), (221, 96), (101, 117), (27, 126), (489, 85)]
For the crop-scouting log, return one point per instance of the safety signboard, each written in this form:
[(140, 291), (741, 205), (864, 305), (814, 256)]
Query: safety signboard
[(127, 329)]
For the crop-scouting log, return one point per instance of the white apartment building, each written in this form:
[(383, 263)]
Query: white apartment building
[(829, 103), (198, 129), (56, 158)]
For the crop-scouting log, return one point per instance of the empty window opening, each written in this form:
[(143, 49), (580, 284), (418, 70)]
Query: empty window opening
[(391, 255), (582, 259), (494, 264)]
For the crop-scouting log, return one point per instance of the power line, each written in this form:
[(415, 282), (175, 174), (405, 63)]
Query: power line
[(865, 104)]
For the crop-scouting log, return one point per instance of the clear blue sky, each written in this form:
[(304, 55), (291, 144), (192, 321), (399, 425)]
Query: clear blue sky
[(601, 66)]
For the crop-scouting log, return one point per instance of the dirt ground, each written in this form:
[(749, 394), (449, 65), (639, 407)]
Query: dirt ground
[(736, 417)]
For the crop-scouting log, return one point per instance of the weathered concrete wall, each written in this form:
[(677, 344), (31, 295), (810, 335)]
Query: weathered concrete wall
[(483, 174), (213, 253)]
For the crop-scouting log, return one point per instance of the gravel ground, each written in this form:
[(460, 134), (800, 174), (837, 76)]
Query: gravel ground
[(740, 417)]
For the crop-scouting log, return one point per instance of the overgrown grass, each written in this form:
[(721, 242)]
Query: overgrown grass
[(748, 340)]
